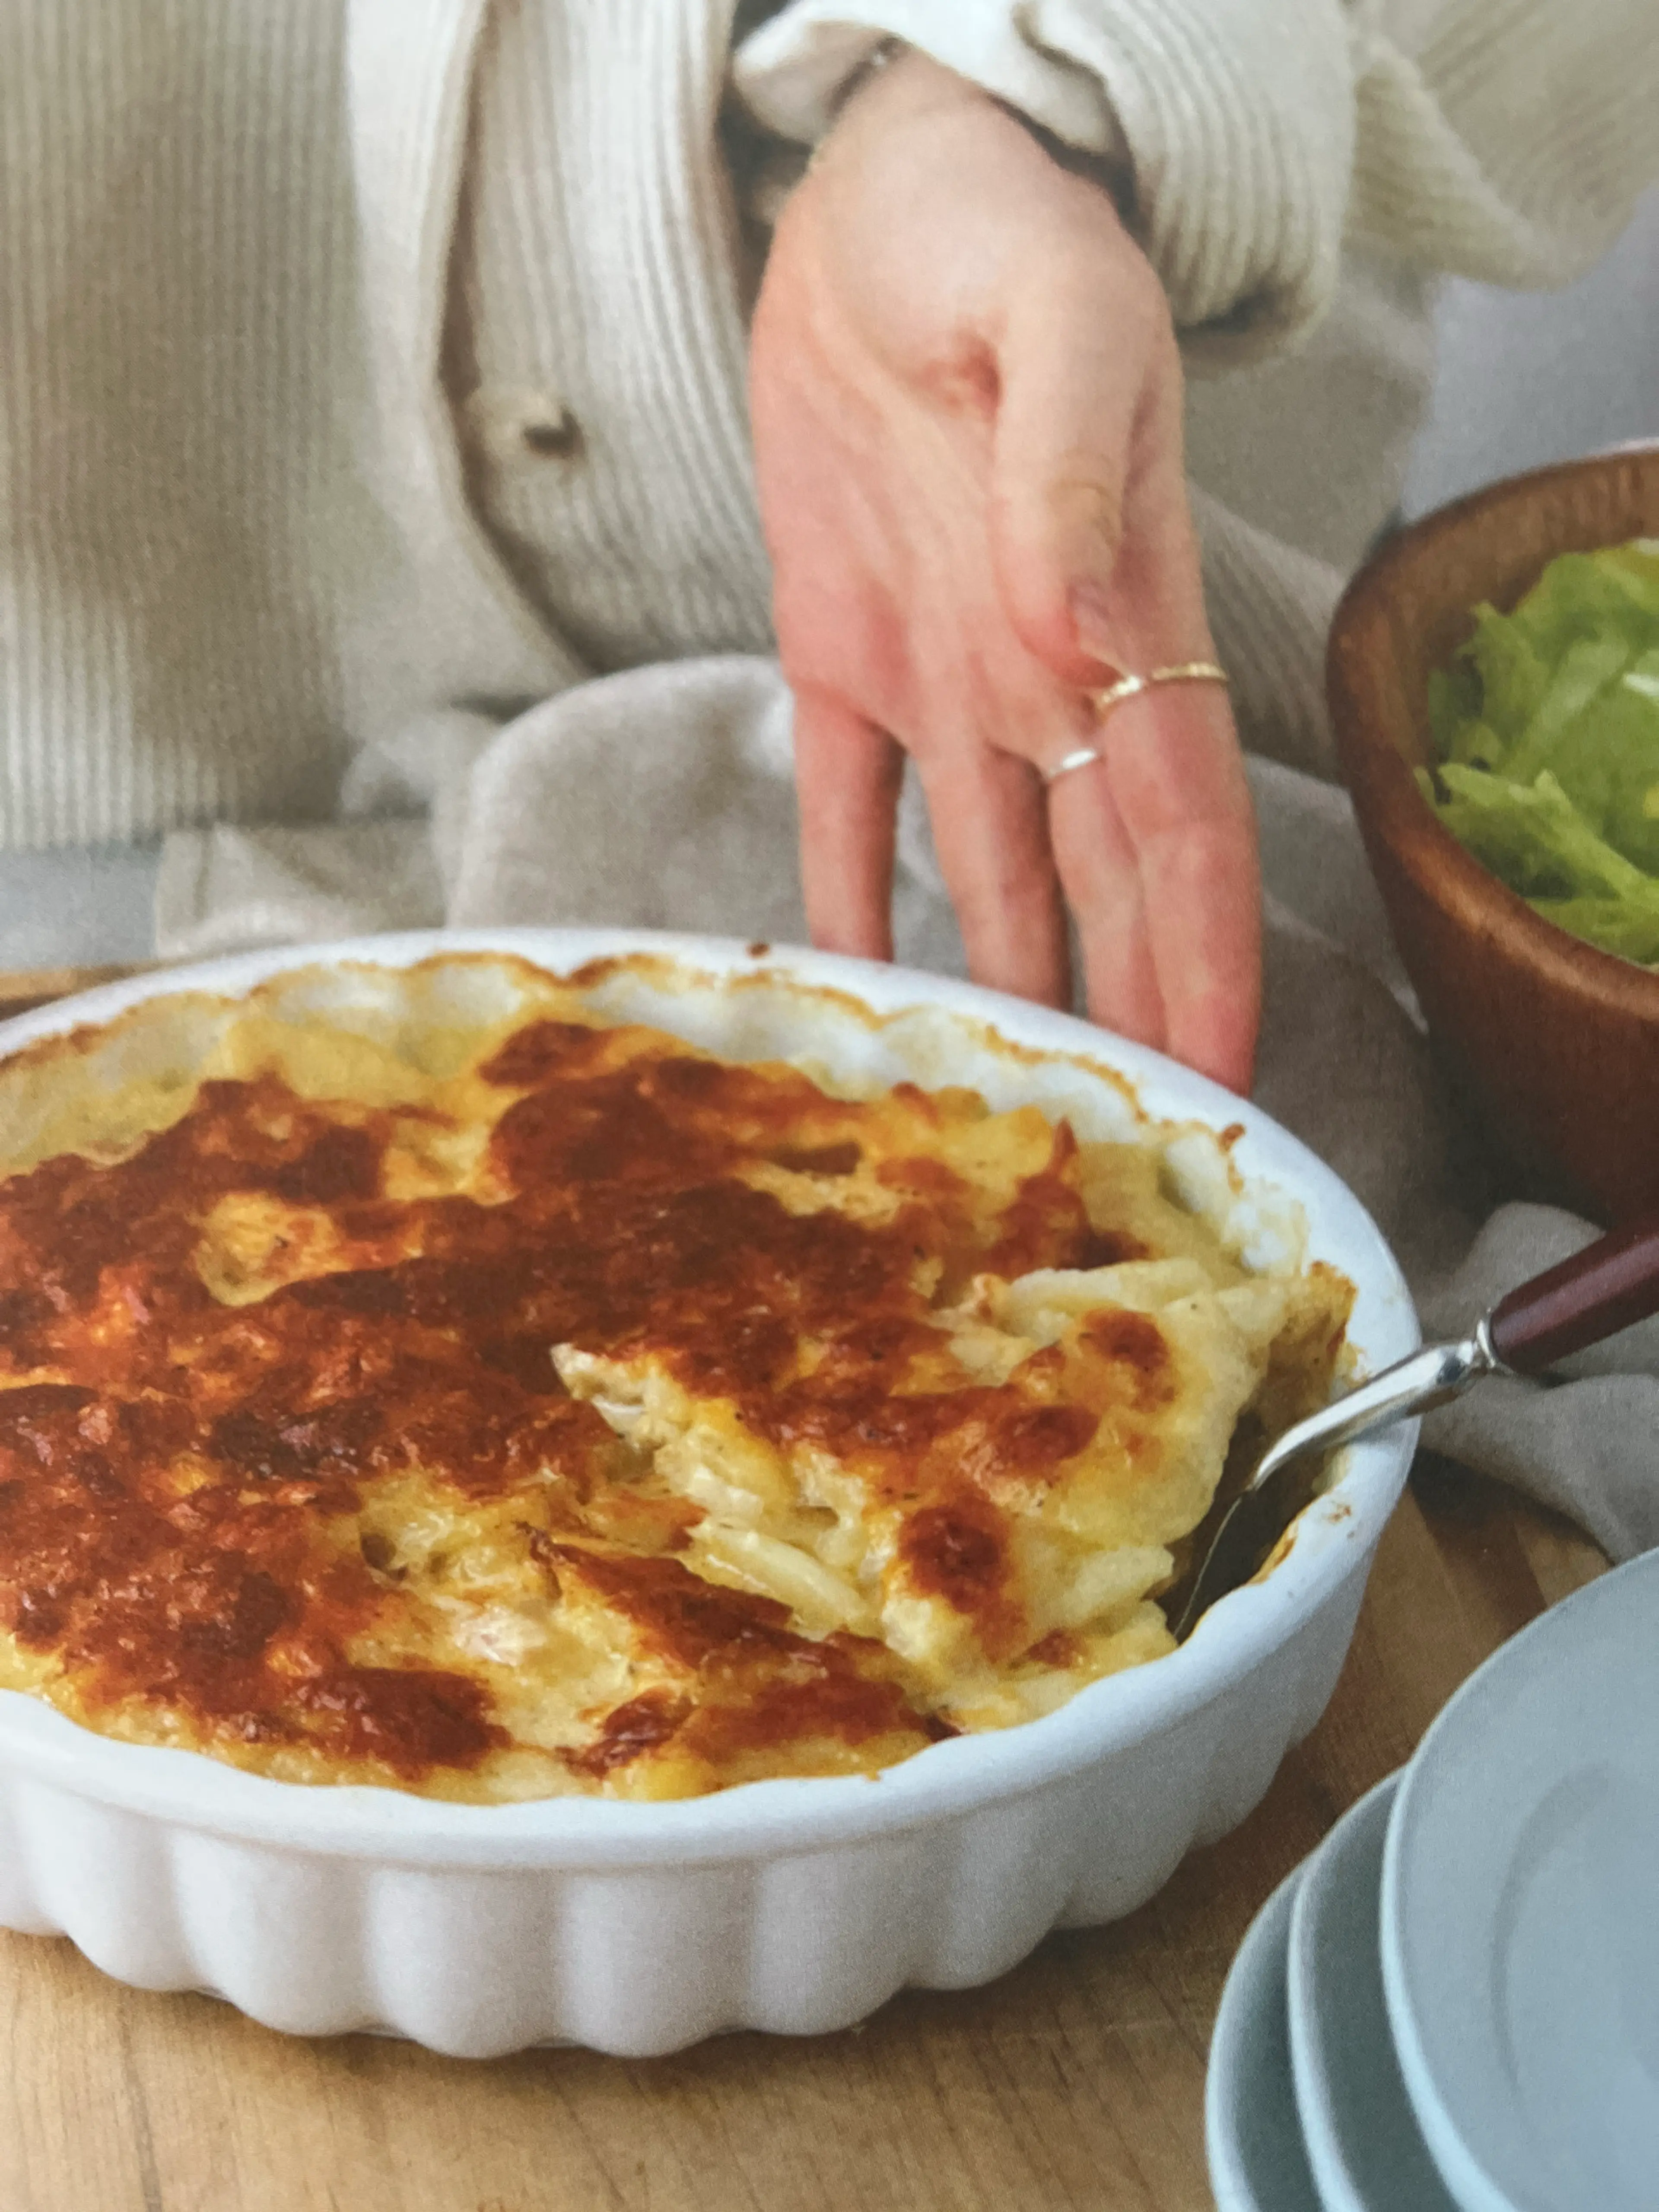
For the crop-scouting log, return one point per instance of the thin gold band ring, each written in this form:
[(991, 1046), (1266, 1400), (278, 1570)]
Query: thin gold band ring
[(1131, 687)]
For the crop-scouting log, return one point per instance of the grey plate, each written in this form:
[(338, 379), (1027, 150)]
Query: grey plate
[(1257, 2163), (1520, 1919), (1363, 2141)]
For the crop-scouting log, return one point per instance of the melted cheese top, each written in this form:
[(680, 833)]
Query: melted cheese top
[(556, 1407)]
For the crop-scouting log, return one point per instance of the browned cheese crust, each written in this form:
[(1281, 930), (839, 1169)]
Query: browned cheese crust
[(581, 1412)]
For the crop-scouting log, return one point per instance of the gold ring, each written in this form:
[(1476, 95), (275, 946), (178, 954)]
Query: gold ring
[(1131, 687)]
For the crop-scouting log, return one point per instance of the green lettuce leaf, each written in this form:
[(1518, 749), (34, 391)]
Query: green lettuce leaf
[(1546, 733), (1532, 835), (1627, 926)]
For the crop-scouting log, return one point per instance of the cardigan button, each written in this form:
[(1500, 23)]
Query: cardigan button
[(552, 437), (509, 427)]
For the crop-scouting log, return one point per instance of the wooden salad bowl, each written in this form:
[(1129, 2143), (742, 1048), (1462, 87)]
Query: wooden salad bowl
[(1554, 1045)]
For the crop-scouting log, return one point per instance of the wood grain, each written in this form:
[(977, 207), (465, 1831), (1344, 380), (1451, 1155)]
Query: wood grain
[(22, 989), (1075, 2084)]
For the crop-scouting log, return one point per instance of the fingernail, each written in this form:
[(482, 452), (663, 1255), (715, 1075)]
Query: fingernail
[(1097, 633)]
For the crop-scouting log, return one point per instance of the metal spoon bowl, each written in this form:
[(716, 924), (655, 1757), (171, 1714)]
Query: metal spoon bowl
[(1608, 1287)]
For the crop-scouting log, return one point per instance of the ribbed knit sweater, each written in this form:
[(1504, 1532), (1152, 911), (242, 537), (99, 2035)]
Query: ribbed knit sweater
[(371, 371)]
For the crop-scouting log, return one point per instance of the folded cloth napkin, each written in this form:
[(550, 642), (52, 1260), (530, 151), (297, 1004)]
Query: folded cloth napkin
[(663, 797)]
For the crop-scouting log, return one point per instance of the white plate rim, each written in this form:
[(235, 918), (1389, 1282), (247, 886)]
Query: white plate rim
[(1339, 2191), (1466, 2173), (1343, 2187), (1266, 1940)]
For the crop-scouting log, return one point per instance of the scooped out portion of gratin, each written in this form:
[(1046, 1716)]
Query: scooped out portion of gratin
[(507, 1402)]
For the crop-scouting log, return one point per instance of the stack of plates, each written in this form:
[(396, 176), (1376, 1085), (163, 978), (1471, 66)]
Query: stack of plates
[(1454, 2003)]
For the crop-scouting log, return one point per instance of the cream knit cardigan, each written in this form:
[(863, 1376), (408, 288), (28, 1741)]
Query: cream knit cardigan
[(372, 392)]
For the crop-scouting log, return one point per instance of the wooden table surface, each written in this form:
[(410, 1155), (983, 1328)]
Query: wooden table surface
[(1075, 2084)]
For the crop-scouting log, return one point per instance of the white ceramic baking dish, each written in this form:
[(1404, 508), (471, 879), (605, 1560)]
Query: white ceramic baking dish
[(795, 1906)]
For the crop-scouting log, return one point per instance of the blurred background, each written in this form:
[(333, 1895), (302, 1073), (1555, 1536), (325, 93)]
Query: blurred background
[(1522, 377)]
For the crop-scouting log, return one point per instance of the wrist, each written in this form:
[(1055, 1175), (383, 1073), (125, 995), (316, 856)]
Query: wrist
[(895, 78), (898, 83), (881, 58)]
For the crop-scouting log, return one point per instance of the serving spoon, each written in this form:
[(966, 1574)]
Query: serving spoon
[(1606, 1287)]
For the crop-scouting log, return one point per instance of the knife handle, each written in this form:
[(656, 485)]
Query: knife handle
[(1598, 1292)]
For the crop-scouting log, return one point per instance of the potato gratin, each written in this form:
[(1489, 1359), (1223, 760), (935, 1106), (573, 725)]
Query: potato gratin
[(502, 1404)]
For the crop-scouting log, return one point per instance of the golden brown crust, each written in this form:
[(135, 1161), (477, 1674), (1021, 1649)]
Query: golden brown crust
[(288, 1473)]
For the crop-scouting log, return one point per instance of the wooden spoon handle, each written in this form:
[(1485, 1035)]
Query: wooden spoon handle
[(1599, 1290)]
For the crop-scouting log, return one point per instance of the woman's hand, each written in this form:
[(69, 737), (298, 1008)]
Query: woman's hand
[(967, 408)]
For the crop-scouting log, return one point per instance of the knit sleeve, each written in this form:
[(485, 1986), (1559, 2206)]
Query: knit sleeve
[(1506, 140), (1233, 120), (1503, 139)]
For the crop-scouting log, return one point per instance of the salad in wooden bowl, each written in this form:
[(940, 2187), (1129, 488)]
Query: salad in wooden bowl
[(1496, 711)]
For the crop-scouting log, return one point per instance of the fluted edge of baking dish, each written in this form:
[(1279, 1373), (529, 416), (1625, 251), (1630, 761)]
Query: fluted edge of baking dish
[(795, 1906)]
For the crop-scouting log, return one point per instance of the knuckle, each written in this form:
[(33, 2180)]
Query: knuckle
[(1082, 496)]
